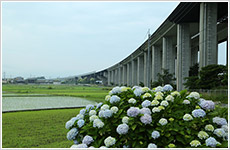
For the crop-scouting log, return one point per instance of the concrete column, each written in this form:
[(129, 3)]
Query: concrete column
[(128, 74), (167, 54), (194, 56), (145, 68), (183, 54), (156, 62), (140, 69), (208, 34), (115, 76), (119, 76), (112, 76), (109, 77), (134, 72), (124, 74)]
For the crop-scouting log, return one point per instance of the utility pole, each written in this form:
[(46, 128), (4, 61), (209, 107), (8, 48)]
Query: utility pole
[(148, 61)]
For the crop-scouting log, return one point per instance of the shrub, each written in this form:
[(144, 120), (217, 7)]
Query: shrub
[(139, 118)]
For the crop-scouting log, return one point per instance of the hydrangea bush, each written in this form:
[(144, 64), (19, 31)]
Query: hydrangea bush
[(144, 118)]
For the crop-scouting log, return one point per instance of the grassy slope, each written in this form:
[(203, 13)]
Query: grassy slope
[(44, 129), (92, 93)]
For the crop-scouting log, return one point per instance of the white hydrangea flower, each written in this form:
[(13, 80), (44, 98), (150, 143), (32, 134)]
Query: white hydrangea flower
[(187, 117), (175, 93), (186, 102), (92, 118), (80, 116), (158, 97), (164, 103), (104, 107), (98, 123), (203, 135), (114, 109), (155, 109), (169, 98), (109, 141), (195, 143), (159, 93), (194, 95), (155, 103), (124, 88), (107, 98), (132, 101), (147, 95), (125, 119), (163, 121), (145, 89), (209, 127), (92, 112)]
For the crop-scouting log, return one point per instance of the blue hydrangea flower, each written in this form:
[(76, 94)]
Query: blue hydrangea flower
[(87, 140), (152, 145), (70, 123), (198, 113), (116, 90), (138, 91), (146, 103), (82, 111), (145, 111), (146, 119), (99, 105), (133, 112), (167, 87), (72, 134), (89, 107), (219, 132), (80, 116), (122, 129), (207, 104), (155, 134), (158, 89), (80, 123), (211, 141), (79, 146), (107, 113), (219, 121), (114, 99)]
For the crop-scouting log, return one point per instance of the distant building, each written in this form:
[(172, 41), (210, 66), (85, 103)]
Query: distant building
[(18, 80)]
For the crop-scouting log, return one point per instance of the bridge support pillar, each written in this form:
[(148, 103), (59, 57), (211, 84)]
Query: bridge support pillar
[(145, 68), (124, 74), (119, 75), (128, 74), (134, 72), (183, 54), (208, 34), (109, 78), (140, 69), (168, 59), (156, 62)]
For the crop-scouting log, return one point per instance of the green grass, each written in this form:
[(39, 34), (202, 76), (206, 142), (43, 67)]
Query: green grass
[(96, 93), (42, 129), (216, 97)]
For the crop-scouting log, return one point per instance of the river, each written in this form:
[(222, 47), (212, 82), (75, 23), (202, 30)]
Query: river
[(26, 103)]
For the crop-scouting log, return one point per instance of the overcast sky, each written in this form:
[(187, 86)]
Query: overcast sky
[(60, 39)]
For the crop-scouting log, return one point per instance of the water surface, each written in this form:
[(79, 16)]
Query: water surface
[(24, 103)]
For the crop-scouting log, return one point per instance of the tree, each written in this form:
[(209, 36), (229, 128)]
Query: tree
[(92, 80), (165, 78), (210, 77)]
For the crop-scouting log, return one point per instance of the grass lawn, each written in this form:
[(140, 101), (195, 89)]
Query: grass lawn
[(42, 129), (95, 93)]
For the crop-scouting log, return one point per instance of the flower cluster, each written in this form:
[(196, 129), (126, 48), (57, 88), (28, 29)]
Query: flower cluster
[(141, 117)]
